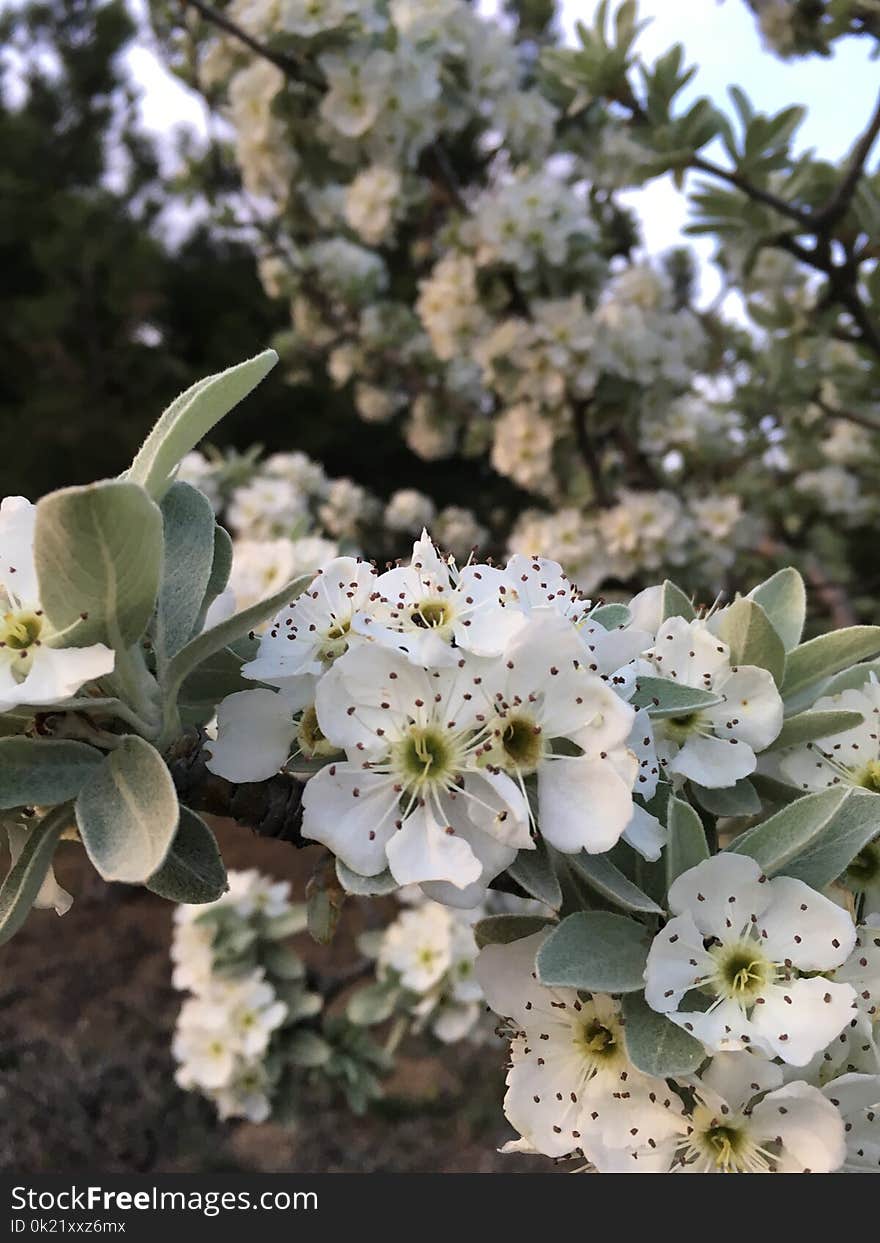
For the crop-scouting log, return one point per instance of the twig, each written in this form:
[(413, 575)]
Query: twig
[(293, 67), (580, 414), (837, 205)]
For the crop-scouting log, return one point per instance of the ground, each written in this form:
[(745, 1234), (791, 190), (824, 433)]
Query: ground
[(86, 1074)]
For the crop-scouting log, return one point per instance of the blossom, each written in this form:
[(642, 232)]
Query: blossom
[(545, 698), (570, 1084), (750, 944), (423, 608), (411, 795), (737, 1126), (713, 746), (416, 946), (34, 669), (849, 758)]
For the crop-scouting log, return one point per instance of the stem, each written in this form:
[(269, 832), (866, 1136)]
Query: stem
[(838, 204), (293, 67), (581, 411), (270, 808)]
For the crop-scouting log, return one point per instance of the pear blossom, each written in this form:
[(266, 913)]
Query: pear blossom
[(737, 1126), (570, 1084), (857, 1099), (307, 636), (556, 720), (850, 758), (412, 795), (34, 669), (422, 609), (714, 746), (752, 945)]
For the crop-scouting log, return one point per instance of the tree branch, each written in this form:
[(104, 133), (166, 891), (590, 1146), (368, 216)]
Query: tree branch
[(838, 204), (580, 414), (271, 808), (733, 178), (291, 66)]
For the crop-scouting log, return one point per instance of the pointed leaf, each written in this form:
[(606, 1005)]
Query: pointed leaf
[(686, 845), (24, 880), (188, 522), (604, 878), (190, 417)]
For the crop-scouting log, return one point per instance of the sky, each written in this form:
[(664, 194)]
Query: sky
[(720, 36)]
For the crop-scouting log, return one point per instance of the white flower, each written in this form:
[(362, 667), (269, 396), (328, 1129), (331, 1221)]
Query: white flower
[(371, 202), (851, 757), (33, 670), (857, 1097), (411, 795), (422, 609), (255, 733), (714, 746), (734, 1128), (748, 943), (417, 946), (570, 1084), (409, 511), (307, 636), (545, 698)]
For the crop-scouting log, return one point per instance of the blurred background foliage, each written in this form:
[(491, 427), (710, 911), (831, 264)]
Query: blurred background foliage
[(106, 313)]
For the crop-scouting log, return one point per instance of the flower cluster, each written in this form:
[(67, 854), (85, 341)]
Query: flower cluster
[(446, 227), (717, 1011), (289, 518), (240, 1029), (783, 1077)]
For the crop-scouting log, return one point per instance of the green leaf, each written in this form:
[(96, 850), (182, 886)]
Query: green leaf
[(664, 698), (372, 1004), (293, 920), (503, 929), (828, 654), (611, 615), (221, 568), (190, 417), (210, 641), (44, 771), (213, 680), (783, 598), (657, 1046), (282, 962), (752, 639), (193, 870), (604, 878), (686, 845), (777, 842), (24, 880), (853, 679), (807, 726), (676, 603), (533, 871), (597, 951), (306, 1049), (127, 813), (98, 552), (189, 554), (846, 834), (736, 800), (365, 886)]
